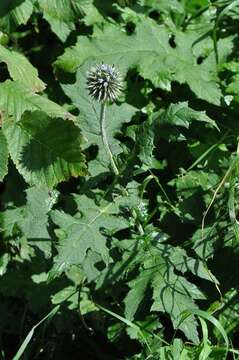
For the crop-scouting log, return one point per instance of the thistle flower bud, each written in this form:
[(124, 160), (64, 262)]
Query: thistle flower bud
[(104, 83)]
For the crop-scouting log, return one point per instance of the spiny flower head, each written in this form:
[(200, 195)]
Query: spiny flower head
[(104, 83)]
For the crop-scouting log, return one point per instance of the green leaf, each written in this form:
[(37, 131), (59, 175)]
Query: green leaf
[(91, 15), (181, 114), (17, 16), (34, 223), (135, 296), (60, 15), (86, 230), (148, 50), (185, 263), (3, 156), (21, 69), (15, 99), (35, 145), (160, 267), (173, 294)]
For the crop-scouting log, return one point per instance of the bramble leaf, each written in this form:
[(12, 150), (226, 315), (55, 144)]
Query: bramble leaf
[(15, 99), (17, 15), (35, 146), (21, 69), (60, 15)]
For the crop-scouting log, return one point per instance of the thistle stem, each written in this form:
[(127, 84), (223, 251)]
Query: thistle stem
[(104, 139)]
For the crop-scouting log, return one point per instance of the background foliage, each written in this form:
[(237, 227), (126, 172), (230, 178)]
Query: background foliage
[(143, 265)]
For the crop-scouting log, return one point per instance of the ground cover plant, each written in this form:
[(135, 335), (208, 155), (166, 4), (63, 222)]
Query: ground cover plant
[(119, 184)]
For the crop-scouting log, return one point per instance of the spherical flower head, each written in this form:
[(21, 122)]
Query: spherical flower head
[(104, 83)]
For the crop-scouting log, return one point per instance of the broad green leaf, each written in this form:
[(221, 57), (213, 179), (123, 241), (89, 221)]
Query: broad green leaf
[(21, 69), (15, 99), (36, 147), (185, 263), (8, 220), (86, 303), (136, 294), (17, 16), (67, 294), (148, 49), (34, 224), (144, 141), (181, 114), (86, 230), (190, 181), (8, 5), (60, 15), (160, 268), (3, 156), (91, 15), (173, 294)]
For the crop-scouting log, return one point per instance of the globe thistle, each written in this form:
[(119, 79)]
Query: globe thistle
[(104, 83)]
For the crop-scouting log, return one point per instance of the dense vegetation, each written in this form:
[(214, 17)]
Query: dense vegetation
[(134, 256)]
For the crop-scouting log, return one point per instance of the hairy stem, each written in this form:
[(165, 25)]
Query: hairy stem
[(104, 139)]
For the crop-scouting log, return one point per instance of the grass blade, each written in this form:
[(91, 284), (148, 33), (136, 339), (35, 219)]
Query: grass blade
[(31, 333)]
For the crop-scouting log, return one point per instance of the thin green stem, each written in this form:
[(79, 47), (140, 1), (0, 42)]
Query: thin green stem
[(104, 139)]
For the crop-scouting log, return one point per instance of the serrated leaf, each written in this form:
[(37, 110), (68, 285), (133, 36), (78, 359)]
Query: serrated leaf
[(21, 69), (85, 231), (3, 156), (148, 50), (34, 224), (35, 145), (173, 294), (181, 114), (91, 15), (60, 15), (17, 16), (136, 294), (185, 263), (15, 99)]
